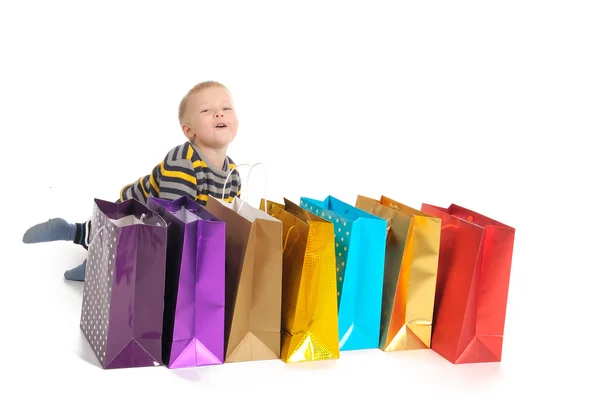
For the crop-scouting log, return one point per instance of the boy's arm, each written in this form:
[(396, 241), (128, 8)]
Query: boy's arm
[(170, 179), (236, 182), (173, 178)]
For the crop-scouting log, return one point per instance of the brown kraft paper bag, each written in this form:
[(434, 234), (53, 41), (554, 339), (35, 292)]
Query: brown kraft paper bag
[(253, 281)]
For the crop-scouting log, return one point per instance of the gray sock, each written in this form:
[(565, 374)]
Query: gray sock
[(51, 230), (77, 273)]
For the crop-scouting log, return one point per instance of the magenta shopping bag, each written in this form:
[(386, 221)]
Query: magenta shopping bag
[(122, 307), (194, 318)]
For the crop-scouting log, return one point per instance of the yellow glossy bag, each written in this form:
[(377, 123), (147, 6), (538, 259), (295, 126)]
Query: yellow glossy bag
[(309, 291)]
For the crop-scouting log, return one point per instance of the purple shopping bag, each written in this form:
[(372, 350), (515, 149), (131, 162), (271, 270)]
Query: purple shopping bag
[(122, 307), (194, 317)]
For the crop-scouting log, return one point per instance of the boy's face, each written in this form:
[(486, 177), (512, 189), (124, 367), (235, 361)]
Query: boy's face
[(211, 119)]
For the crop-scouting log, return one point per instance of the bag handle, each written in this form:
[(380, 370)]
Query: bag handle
[(287, 237), (142, 217), (247, 183), (95, 236), (449, 226)]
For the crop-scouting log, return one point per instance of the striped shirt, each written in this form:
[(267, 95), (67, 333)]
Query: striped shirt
[(184, 172)]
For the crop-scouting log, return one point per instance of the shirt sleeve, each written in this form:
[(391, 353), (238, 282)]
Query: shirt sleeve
[(171, 179), (174, 177)]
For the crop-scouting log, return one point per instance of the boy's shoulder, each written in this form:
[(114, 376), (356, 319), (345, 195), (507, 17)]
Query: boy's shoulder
[(231, 162), (186, 151), (181, 152)]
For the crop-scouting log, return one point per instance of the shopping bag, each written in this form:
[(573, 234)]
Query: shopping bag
[(360, 255), (253, 272), (194, 317), (411, 262), (122, 307), (472, 285), (309, 294)]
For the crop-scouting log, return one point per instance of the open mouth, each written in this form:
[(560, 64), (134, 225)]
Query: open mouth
[(221, 125)]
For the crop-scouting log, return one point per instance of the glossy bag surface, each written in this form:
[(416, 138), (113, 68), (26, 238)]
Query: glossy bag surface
[(309, 294), (194, 318), (360, 254), (472, 285), (122, 307), (411, 263)]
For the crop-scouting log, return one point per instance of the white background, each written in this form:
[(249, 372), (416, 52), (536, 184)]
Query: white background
[(490, 105)]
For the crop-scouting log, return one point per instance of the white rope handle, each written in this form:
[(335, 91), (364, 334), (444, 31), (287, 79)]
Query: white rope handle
[(95, 235), (142, 217), (248, 182)]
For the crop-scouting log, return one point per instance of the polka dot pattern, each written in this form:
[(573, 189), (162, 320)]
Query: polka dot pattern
[(342, 233), (95, 312)]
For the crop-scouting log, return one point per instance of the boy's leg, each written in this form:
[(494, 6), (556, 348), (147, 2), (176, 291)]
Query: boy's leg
[(59, 229), (77, 273)]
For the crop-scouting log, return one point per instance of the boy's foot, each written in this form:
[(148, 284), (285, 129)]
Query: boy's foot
[(76, 274), (51, 230), (58, 229)]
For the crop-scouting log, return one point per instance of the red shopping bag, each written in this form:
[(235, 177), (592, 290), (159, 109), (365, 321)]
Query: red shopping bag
[(472, 285)]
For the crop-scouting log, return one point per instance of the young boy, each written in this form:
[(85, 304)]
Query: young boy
[(196, 169)]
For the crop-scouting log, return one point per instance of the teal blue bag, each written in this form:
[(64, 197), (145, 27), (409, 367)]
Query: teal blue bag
[(360, 240)]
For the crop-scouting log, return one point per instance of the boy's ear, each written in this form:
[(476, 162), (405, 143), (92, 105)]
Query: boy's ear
[(187, 130)]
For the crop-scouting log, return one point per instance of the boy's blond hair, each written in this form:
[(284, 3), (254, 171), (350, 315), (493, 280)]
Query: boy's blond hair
[(197, 88)]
